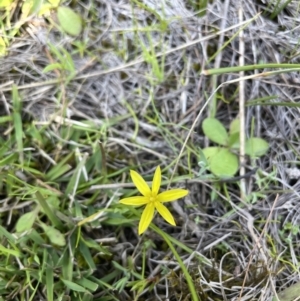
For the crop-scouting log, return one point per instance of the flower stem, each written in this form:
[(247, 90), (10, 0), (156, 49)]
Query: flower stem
[(180, 262)]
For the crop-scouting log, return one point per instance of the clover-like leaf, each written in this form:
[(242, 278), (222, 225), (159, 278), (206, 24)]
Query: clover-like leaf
[(210, 152), (256, 147), (215, 131), (224, 163)]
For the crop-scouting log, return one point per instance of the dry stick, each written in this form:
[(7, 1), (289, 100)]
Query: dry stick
[(242, 109), (138, 61)]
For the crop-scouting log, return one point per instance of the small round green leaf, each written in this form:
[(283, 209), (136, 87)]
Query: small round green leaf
[(256, 147), (224, 163), (215, 131), (25, 222), (54, 235), (70, 21), (210, 152)]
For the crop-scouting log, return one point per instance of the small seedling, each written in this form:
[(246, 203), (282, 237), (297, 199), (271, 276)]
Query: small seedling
[(222, 161)]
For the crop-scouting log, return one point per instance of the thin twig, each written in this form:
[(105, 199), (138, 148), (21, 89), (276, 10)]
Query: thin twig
[(242, 109)]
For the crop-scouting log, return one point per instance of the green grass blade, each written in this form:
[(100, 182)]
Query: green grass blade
[(180, 262), (49, 283), (290, 68), (17, 121), (48, 211)]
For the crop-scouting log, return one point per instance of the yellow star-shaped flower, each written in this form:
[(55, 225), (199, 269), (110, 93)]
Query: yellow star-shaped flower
[(152, 199)]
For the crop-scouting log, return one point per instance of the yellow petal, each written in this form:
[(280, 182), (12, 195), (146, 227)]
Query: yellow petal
[(140, 183), (165, 213), (135, 200), (156, 181), (171, 195), (146, 218)]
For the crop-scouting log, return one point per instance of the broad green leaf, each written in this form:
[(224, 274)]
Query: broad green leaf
[(70, 21), (234, 126), (256, 147), (289, 294), (26, 221), (54, 235), (215, 131), (210, 152), (224, 163)]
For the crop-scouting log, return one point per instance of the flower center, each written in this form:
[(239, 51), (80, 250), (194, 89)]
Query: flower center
[(151, 199)]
